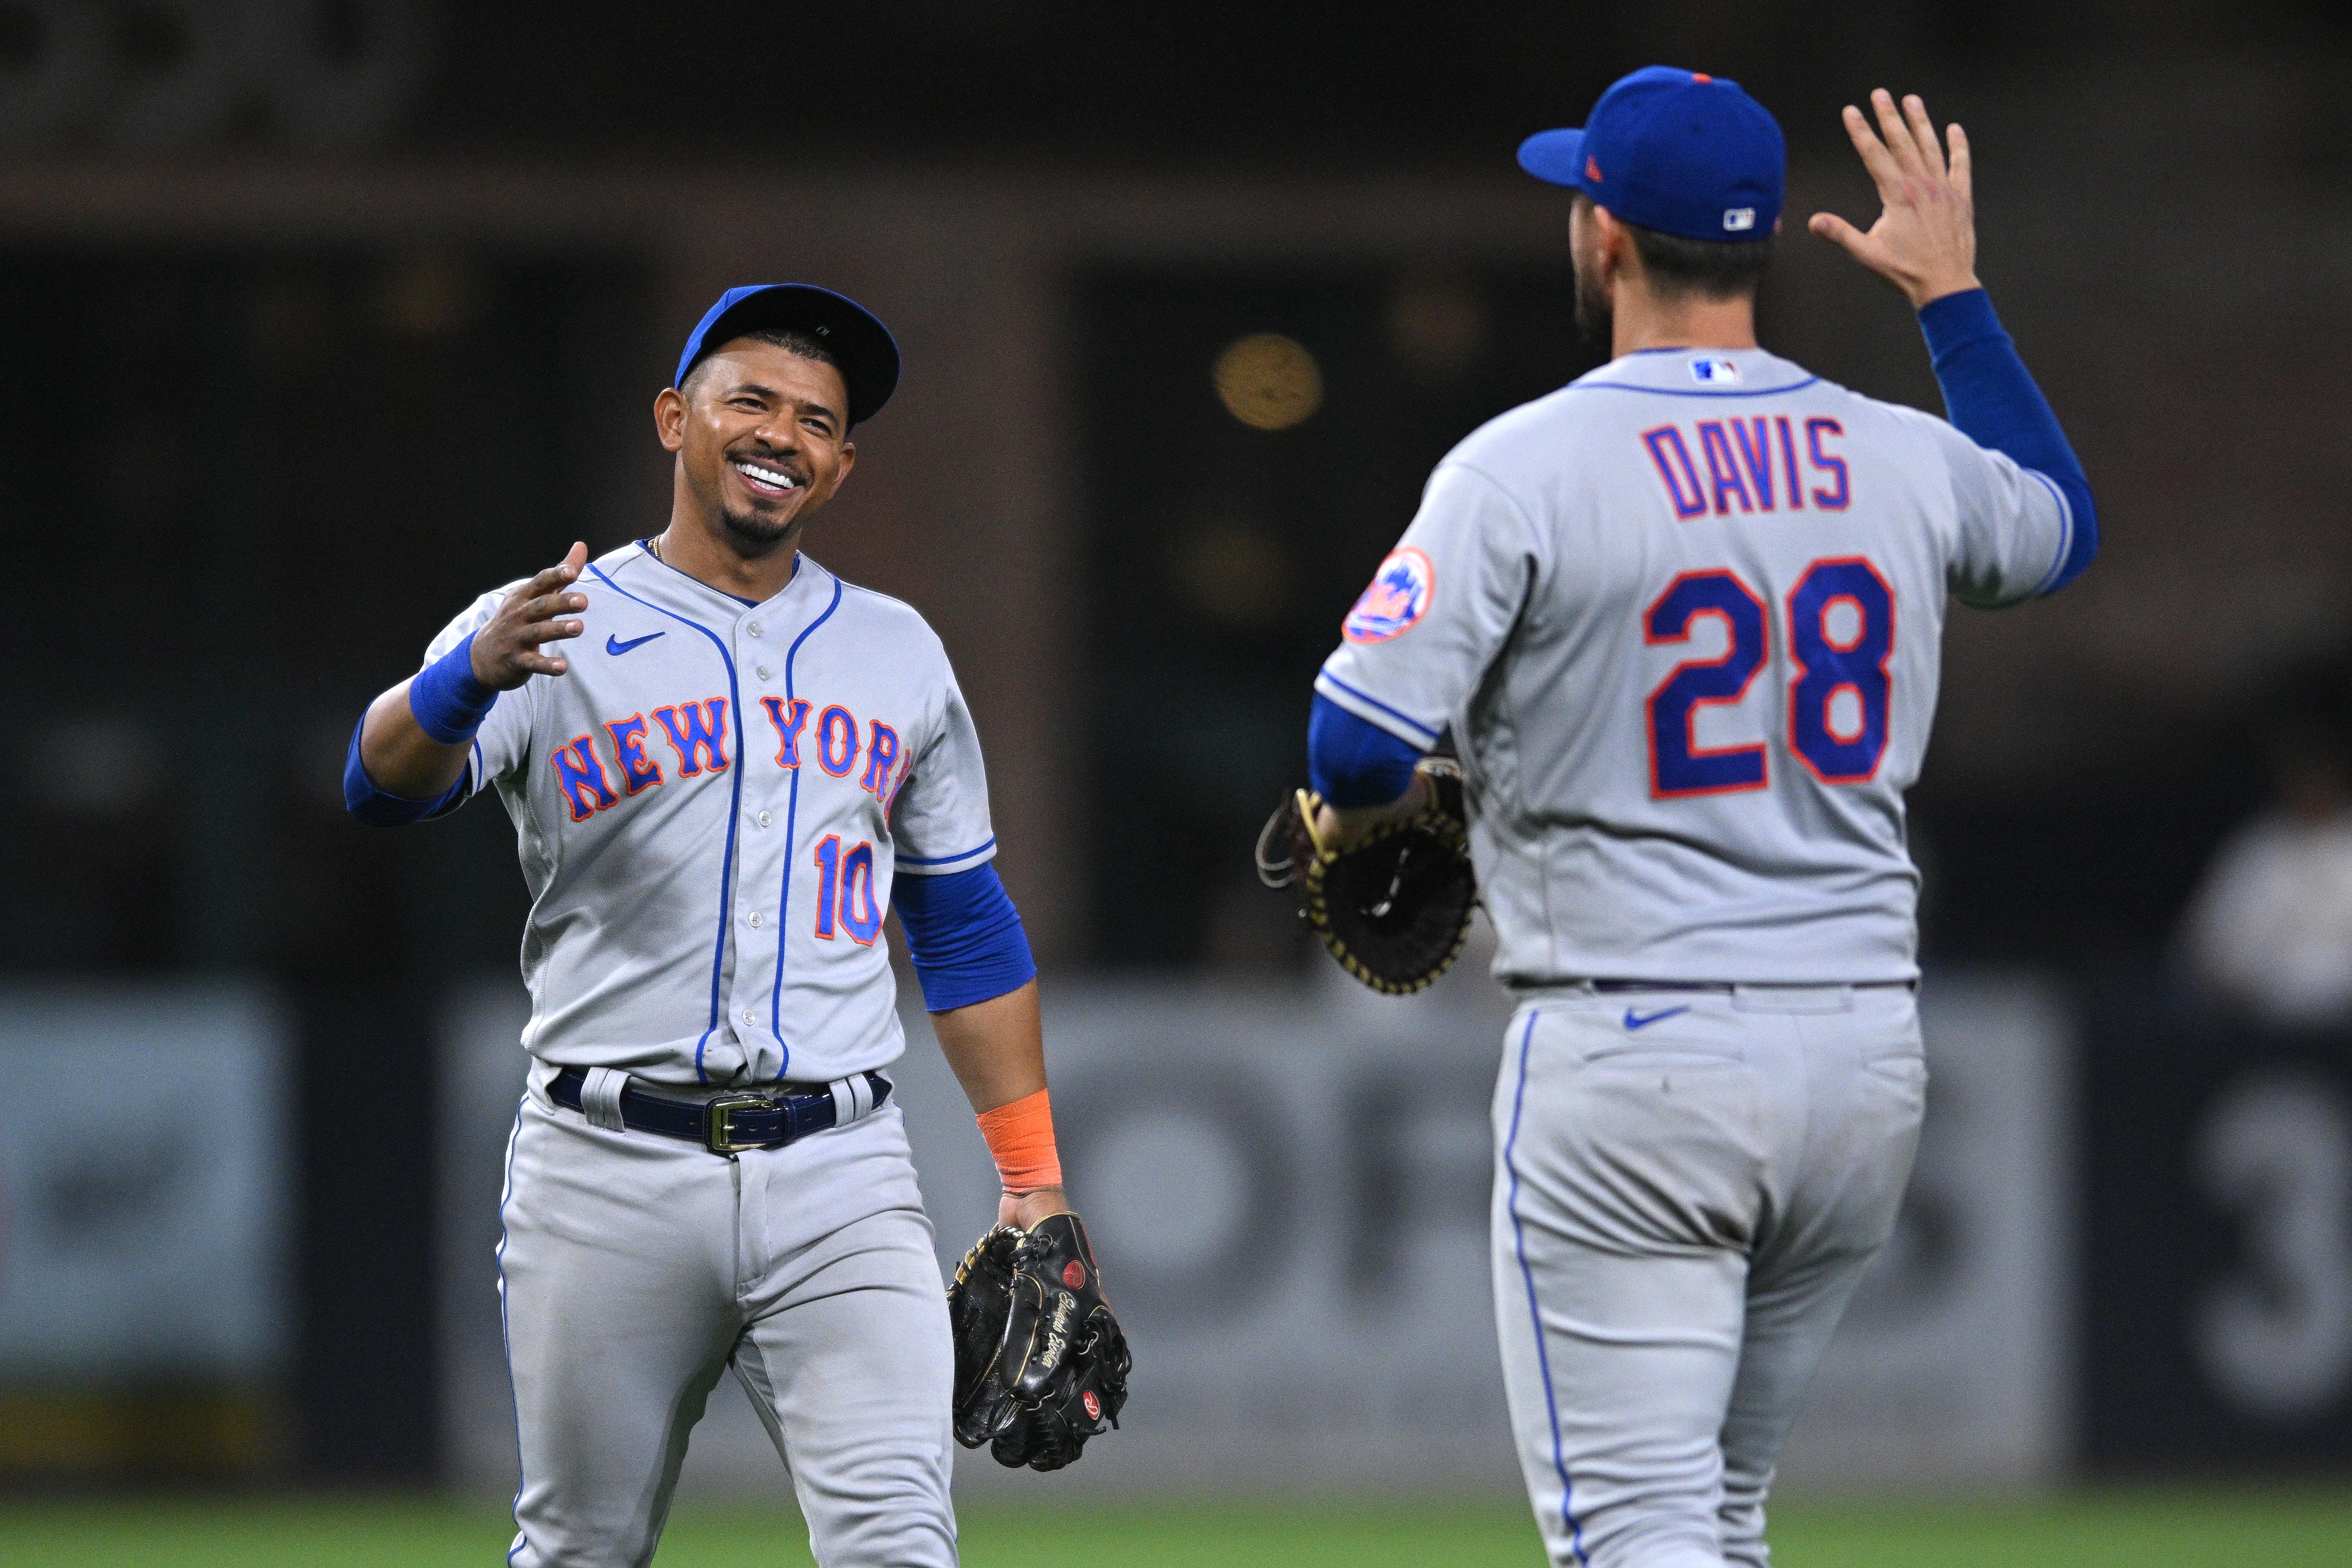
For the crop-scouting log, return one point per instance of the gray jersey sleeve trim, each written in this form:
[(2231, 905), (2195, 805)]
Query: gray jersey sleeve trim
[(1945, 431), (2065, 534), (936, 865), (1383, 715)]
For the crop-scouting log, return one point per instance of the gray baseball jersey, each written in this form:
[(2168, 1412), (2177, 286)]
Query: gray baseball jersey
[(1685, 617), (711, 804)]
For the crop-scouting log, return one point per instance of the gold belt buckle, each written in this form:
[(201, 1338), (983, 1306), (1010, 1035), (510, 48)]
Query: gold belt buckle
[(718, 1134)]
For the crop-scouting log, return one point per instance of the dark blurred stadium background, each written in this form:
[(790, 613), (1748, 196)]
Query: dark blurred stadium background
[(321, 318)]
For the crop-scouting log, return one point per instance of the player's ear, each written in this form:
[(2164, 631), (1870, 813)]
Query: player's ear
[(1610, 243), (669, 418)]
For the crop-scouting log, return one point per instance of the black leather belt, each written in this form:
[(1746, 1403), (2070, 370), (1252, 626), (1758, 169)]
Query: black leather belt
[(730, 1123), (1726, 988)]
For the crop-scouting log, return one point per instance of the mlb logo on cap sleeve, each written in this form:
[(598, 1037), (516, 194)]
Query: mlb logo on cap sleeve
[(1395, 601), (1737, 218)]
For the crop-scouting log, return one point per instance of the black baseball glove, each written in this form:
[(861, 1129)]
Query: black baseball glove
[(1041, 1365), (1394, 907)]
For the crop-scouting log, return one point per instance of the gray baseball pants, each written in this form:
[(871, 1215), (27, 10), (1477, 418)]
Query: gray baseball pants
[(636, 1268), (1687, 1186)]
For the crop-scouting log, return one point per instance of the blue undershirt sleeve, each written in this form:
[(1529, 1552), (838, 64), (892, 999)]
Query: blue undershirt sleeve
[(964, 935), (1990, 397), (1352, 762), (381, 807)]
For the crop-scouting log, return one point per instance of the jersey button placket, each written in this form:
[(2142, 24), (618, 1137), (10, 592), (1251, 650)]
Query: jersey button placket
[(762, 868)]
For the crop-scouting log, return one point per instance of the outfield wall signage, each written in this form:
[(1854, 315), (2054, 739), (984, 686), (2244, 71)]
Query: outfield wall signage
[(2218, 1239), (146, 1195)]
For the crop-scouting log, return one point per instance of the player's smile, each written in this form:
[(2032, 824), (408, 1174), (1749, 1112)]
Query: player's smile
[(767, 478)]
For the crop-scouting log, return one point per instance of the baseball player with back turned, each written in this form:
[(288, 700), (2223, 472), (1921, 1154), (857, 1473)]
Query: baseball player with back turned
[(724, 763), (1682, 615)]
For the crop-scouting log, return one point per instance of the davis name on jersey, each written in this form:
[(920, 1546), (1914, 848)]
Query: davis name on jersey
[(1722, 584), (710, 806), (1762, 477)]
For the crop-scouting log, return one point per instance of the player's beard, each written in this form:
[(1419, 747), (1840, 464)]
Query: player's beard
[(753, 534), (1594, 319)]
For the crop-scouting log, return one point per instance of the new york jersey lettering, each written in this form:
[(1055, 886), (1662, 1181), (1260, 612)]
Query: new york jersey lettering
[(698, 733), (579, 774), (790, 719)]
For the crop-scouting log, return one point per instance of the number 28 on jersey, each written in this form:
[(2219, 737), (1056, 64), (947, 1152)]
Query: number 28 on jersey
[(1839, 620)]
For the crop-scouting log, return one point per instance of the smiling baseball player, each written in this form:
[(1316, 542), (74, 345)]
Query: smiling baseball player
[(1684, 617), (737, 765)]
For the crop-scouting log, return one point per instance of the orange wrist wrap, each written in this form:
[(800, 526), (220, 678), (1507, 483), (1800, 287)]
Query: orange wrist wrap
[(1021, 1136)]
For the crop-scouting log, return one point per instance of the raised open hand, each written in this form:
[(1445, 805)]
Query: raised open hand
[(507, 651), (1925, 241)]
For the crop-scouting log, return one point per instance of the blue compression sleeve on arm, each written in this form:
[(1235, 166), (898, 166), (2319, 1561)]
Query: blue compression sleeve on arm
[(1993, 400), (448, 702), (1352, 763), (964, 936), (381, 807)]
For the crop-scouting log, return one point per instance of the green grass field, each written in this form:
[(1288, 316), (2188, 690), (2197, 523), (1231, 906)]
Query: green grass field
[(2124, 1529)]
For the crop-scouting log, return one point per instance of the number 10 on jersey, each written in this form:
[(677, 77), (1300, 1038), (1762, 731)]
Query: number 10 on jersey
[(1840, 629), (846, 884)]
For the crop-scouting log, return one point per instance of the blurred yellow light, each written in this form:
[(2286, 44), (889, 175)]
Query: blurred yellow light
[(1268, 382)]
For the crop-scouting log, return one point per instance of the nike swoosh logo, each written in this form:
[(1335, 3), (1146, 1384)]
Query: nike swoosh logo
[(1643, 1020), (616, 647)]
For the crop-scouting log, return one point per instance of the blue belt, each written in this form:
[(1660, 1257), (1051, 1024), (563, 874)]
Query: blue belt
[(730, 1123), (1726, 988)]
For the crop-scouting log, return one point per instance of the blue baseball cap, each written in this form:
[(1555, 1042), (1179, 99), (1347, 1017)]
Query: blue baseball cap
[(1678, 151), (860, 344)]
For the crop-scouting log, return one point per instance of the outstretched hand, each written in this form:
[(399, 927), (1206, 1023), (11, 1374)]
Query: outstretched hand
[(507, 651), (1925, 241)]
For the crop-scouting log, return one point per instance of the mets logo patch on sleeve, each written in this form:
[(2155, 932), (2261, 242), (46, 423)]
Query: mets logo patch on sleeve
[(1398, 597)]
